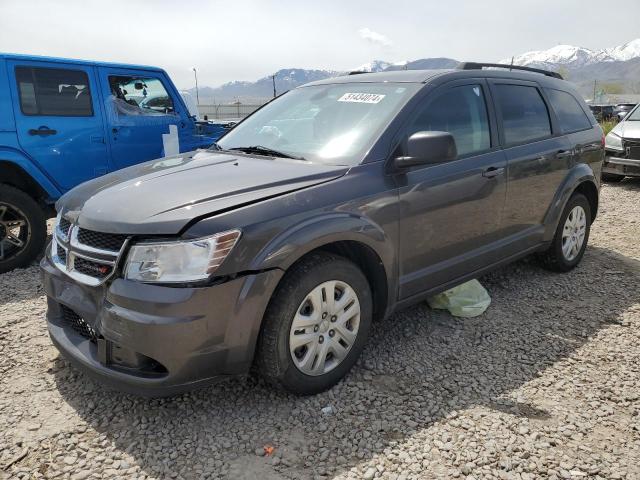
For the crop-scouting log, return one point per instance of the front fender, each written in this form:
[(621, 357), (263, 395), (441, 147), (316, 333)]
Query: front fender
[(292, 244), (580, 173), (30, 168)]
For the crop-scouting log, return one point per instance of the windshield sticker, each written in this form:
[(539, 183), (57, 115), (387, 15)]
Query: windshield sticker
[(361, 97)]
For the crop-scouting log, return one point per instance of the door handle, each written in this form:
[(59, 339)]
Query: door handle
[(492, 172), (564, 154), (42, 131)]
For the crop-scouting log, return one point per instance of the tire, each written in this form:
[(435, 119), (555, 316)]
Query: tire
[(24, 219), (556, 258), (293, 300)]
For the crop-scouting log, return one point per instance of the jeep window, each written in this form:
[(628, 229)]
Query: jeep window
[(334, 124), (140, 96), (462, 112), (524, 114), (54, 92), (570, 114)]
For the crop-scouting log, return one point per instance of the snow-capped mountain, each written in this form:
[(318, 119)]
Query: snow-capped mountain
[(380, 66), (576, 57), (625, 52)]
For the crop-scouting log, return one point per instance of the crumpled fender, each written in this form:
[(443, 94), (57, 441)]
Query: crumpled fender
[(290, 245)]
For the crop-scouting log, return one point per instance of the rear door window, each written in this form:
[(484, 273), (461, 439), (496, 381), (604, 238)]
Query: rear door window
[(525, 117), (54, 92), (462, 112), (570, 114)]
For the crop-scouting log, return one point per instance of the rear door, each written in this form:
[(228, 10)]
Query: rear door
[(576, 125), (59, 119), (450, 213), (143, 118), (538, 157)]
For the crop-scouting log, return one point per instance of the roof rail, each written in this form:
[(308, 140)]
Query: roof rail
[(480, 66)]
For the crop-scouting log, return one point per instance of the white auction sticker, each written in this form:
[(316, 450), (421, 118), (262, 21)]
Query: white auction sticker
[(361, 97)]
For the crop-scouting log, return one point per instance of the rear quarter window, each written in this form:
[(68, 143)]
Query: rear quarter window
[(54, 92), (569, 112), (525, 117)]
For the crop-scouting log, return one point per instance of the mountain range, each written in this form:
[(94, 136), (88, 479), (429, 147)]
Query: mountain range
[(616, 68)]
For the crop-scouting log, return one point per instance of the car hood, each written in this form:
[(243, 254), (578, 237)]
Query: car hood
[(627, 129), (162, 196)]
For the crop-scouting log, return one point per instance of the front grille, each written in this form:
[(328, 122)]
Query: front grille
[(62, 254), (63, 226), (78, 324), (91, 268), (103, 241), (632, 148)]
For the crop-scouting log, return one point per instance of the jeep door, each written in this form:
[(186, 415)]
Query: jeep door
[(450, 212), (59, 120), (144, 118), (538, 156)]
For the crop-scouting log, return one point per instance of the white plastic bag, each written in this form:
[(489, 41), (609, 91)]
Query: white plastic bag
[(467, 300)]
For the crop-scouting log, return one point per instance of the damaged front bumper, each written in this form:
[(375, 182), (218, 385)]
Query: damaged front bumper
[(156, 340), (616, 164)]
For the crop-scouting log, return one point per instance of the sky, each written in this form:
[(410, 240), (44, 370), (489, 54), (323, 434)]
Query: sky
[(249, 39)]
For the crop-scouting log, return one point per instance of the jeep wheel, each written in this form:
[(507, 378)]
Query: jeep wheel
[(572, 235), (316, 325), (612, 177), (23, 229)]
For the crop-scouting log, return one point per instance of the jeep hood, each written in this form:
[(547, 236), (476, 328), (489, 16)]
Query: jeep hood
[(162, 196)]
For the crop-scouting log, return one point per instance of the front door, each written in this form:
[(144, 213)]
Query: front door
[(143, 118), (450, 212), (59, 120)]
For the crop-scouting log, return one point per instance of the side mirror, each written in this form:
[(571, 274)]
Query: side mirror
[(138, 86), (424, 148)]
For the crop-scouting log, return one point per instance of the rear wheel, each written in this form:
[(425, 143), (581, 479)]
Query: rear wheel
[(316, 325), (572, 235), (23, 229), (612, 177)]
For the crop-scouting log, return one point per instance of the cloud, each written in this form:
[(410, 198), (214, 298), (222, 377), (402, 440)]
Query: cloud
[(374, 37)]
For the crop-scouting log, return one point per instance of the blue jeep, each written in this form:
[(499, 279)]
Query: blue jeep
[(63, 122)]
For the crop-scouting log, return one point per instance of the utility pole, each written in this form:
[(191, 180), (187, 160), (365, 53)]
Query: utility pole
[(195, 74), (273, 79)]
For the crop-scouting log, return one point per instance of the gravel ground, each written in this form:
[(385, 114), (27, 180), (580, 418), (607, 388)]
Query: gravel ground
[(545, 384)]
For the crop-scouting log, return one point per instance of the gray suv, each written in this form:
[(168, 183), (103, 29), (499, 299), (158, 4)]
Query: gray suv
[(334, 205)]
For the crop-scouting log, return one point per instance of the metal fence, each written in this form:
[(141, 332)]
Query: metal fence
[(227, 112)]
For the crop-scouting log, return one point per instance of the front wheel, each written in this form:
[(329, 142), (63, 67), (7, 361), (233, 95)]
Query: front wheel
[(23, 229), (316, 325), (571, 237)]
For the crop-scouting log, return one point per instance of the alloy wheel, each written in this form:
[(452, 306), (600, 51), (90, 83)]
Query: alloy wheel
[(15, 231), (324, 328)]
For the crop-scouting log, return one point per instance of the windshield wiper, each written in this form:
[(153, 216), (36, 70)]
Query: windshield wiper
[(262, 150)]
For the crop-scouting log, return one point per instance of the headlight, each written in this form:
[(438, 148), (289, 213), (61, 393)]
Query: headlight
[(613, 141), (180, 261)]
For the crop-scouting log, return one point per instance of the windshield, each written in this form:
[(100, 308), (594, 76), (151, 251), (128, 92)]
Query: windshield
[(333, 124), (634, 116)]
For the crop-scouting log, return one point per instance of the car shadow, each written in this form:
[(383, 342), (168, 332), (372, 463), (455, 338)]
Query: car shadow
[(420, 366), (629, 183)]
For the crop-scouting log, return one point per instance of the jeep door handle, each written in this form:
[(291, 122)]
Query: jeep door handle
[(492, 172), (42, 131)]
